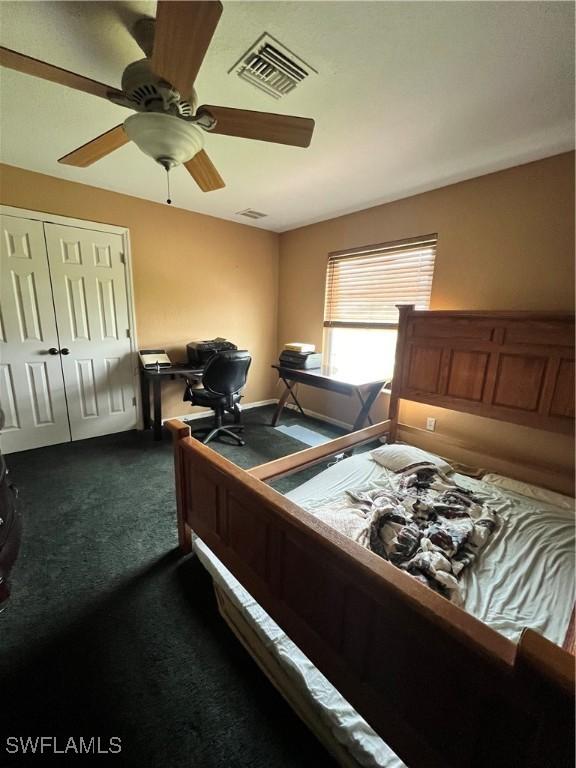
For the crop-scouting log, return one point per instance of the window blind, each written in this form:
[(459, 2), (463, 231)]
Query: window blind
[(364, 285)]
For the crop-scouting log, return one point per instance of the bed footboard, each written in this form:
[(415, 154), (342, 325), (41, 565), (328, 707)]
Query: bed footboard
[(439, 686)]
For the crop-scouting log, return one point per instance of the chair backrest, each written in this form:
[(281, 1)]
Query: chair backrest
[(226, 372)]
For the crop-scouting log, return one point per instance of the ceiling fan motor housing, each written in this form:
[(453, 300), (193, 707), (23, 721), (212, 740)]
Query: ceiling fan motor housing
[(149, 93), (166, 138)]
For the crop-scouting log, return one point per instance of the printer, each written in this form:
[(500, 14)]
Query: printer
[(199, 352)]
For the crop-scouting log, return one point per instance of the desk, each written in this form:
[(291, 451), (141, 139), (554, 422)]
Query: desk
[(156, 376), (367, 390)]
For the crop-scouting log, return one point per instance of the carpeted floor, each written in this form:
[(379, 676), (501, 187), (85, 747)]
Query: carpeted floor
[(110, 632)]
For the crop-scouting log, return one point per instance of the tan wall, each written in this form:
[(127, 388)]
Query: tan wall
[(195, 276), (505, 241)]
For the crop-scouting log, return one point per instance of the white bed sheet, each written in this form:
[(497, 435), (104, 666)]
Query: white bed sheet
[(512, 584), (524, 577)]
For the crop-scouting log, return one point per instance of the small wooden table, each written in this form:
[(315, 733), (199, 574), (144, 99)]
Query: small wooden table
[(156, 376), (367, 390)]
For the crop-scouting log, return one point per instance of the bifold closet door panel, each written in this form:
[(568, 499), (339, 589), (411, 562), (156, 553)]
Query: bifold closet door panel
[(90, 298), (31, 383)]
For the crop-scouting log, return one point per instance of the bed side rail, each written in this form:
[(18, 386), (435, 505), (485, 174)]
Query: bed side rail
[(443, 689), (287, 465)]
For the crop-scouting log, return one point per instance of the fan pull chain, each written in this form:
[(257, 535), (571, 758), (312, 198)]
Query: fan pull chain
[(168, 200)]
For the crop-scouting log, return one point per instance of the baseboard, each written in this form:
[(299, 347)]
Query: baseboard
[(258, 404), (320, 417), (207, 411)]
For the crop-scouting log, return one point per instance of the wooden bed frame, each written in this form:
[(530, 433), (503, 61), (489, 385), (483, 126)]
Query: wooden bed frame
[(440, 687)]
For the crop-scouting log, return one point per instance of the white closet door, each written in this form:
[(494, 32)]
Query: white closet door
[(31, 383), (89, 289)]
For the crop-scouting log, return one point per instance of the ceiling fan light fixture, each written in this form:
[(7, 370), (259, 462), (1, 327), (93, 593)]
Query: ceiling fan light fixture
[(165, 138)]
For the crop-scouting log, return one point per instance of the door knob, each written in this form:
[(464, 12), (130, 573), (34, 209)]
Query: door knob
[(64, 351), (53, 351)]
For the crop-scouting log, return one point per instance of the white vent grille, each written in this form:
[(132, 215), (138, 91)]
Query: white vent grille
[(250, 213), (272, 67)]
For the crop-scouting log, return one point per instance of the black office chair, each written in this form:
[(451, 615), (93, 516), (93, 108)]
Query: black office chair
[(222, 382)]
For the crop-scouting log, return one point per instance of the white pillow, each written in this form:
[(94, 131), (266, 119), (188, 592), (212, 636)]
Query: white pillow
[(529, 490), (397, 457)]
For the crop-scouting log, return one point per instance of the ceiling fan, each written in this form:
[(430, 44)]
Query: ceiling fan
[(168, 125)]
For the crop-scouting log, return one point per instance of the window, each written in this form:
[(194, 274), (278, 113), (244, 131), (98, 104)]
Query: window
[(363, 287)]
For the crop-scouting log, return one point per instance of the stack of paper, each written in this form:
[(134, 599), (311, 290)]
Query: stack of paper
[(301, 347)]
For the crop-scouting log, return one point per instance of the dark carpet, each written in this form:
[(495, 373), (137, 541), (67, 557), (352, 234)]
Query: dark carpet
[(111, 633)]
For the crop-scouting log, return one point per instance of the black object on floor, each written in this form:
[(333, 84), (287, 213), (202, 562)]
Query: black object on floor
[(110, 633)]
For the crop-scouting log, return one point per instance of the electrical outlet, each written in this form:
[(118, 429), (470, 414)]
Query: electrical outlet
[(430, 424)]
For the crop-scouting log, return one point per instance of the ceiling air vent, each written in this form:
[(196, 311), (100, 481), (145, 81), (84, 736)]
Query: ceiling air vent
[(250, 213), (271, 67)]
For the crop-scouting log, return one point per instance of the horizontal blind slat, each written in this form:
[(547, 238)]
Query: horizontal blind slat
[(418, 244), (391, 255), (392, 275), (340, 269), (365, 290), (380, 300), (364, 277)]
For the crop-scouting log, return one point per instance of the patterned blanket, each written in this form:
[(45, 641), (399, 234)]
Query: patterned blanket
[(429, 526), (418, 519)]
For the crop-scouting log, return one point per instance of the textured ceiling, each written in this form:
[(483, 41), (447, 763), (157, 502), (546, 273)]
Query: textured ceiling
[(409, 96)]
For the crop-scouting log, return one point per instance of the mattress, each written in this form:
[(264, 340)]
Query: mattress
[(524, 577)]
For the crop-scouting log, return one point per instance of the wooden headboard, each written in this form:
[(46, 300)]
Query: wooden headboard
[(510, 366)]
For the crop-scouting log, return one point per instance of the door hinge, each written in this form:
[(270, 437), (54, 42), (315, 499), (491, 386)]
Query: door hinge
[(128, 333), (122, 258), (134, 402)]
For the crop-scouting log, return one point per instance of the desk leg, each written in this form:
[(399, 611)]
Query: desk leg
[(281, 403), (362, 403), (289, 391), (157, 394), (363, 414), (145, 395)]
